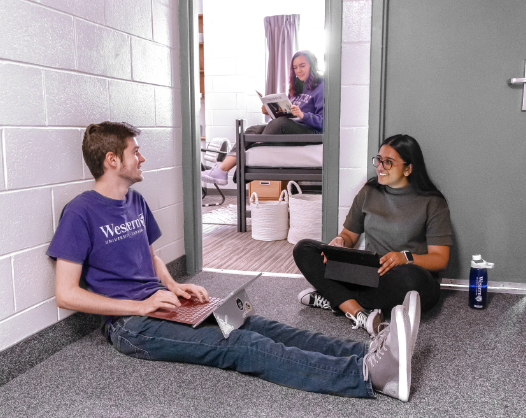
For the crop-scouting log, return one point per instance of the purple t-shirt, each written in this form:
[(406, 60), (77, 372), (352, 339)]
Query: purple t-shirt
[(111, 239), (311, 104)]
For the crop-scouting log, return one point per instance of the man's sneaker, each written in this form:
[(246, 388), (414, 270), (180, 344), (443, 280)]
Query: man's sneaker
[(371, 321), (380, 337), (389, 358), (412, 306), (311, 297), (215, 175)]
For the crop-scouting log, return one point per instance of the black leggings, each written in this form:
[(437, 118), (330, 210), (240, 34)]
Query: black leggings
[(280, 126), (390, 292)]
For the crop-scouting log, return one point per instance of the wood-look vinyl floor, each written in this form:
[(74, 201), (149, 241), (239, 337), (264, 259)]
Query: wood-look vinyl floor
[(225, 248)]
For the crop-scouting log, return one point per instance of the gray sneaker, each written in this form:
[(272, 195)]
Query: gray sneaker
[(412, 306), (389, 358), (215, 175), (371, 321), (311, 297)]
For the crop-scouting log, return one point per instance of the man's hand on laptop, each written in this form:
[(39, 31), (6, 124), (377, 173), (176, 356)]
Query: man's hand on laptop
[(186, 290), (169, 299), (162, 299)]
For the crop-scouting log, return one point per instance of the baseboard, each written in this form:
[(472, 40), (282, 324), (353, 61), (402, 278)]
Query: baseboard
[(494, 287), (450, 284), (35, 349)]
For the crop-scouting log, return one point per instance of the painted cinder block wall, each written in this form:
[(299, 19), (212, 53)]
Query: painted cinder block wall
[(63, 65)]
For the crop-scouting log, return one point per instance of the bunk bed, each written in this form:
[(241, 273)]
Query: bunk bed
[(285, 162)]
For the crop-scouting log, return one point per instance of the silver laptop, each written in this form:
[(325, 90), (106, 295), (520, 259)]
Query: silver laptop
[(230, 312)]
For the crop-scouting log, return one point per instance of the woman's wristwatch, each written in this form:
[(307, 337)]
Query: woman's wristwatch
[(408, 256)]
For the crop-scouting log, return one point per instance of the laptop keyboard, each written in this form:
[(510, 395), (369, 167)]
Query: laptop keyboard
[(191, 310)]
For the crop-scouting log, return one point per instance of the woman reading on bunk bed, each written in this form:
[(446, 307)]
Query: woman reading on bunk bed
[(306, 96), (406, 221)]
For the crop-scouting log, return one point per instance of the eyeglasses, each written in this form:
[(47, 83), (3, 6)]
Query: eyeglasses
[(386, 164)]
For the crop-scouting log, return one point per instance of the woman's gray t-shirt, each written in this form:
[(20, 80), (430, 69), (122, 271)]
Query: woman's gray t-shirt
[(399, 219)]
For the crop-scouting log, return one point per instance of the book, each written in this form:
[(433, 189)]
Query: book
[(277, 105)]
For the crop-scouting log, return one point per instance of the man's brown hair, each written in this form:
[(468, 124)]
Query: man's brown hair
[(101, 138)]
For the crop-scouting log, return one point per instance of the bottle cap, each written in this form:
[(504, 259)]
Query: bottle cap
[(478, 263)]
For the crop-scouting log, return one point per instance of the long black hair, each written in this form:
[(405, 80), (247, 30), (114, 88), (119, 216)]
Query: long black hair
[(411, 153)]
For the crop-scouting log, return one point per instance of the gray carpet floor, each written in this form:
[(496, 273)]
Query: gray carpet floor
[(467, 363)]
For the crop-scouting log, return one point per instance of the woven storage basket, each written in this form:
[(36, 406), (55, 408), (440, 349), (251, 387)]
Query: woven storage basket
[(270, 220), (305, 215)]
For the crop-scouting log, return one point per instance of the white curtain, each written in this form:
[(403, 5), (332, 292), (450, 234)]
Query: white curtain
[(282, 42)]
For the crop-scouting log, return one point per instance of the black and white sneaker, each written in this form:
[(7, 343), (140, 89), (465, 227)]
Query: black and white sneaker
[(371, 321), (311, 297)]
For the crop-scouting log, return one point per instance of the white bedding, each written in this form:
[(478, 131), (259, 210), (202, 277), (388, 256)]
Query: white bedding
[(300, 156)]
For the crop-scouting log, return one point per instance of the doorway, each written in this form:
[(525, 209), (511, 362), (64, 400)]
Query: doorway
[(233, 67), (188, 32)]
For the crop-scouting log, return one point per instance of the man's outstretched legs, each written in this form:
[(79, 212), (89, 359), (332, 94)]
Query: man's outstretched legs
[(281, 354), (267, 349)]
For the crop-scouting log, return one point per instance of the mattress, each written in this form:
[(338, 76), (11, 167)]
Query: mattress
[(306, 156)]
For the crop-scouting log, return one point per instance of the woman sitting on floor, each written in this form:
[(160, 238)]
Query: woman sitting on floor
[(306, 96), (406, 220)]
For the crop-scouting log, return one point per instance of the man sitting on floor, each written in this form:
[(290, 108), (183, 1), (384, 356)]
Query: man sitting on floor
[(105, 236)]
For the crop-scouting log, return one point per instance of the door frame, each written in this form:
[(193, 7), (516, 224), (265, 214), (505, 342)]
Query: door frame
[(190, 106), (379, 14)]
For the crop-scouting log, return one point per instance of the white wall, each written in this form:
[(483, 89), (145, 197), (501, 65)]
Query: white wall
[(356, 46), (235, 48), (63, 65)]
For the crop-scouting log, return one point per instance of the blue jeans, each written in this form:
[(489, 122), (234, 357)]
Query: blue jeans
[(267, 349)]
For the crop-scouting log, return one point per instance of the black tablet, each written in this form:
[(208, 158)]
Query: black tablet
[(352, 266)]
